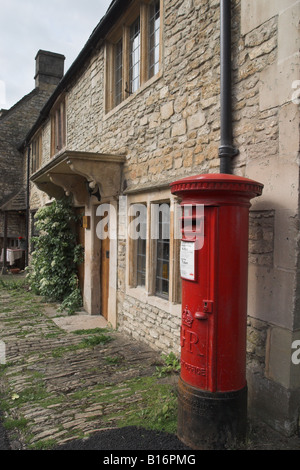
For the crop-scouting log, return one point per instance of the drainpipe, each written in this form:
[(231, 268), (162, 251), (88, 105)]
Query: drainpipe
[(226, 149), (27, 208)]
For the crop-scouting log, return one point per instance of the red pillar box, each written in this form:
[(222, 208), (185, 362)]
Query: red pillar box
[(212, 404)]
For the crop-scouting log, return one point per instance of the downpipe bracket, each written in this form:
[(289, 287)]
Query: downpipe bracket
[(228, 151)]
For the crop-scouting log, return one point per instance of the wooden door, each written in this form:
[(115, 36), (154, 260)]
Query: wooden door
[(104, 275)]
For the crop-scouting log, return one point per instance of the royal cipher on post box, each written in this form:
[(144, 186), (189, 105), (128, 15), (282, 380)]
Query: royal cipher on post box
[(212, 389)]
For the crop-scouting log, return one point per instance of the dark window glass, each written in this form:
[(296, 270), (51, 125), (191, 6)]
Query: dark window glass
[(118, 72), (141, 248), (163, 256), (141, 262)]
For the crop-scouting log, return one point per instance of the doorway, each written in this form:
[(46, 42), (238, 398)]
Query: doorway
[(103, 280), (80, 239), (104, 267), (104, 277)]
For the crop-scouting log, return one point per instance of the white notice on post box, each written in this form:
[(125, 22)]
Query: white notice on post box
[(187, 260)]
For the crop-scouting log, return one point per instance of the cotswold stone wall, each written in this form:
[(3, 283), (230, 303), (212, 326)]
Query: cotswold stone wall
[(37, 197), (266, 129), (16, 228), (16, 123), (155, 326), (14, 126)]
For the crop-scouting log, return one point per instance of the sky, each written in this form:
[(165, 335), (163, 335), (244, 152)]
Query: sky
[(26, 26)]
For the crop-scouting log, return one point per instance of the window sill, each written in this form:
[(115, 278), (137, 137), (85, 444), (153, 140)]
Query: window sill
[(139, 293), (125, 102)]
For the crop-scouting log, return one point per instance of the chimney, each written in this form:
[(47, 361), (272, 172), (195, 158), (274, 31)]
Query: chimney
[(49, 68)]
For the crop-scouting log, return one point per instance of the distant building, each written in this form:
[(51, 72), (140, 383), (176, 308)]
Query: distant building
[(15, 123)]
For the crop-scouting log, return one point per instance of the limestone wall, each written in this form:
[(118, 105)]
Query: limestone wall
[(267, 129), (14, 126)]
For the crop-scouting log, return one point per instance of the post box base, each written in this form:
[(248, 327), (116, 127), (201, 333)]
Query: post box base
[(211, 421)]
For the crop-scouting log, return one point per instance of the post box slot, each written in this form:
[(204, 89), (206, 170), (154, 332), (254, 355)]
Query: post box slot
[(192, 224)]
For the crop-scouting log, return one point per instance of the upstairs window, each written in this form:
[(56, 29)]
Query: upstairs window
[(135, 56), (58, 127), (154, 39), (36, 153), (133, 51), (118, 72)]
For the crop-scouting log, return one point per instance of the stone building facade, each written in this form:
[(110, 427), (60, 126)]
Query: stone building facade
[(15, 123), (113, 124)]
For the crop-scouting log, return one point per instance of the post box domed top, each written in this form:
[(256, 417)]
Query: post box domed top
[(217, 184)]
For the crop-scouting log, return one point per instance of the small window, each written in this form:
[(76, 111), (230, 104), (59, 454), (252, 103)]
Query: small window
[(58, 127), (119, 72), (154, 38), (141, 252), (138, 244), (163, 255), (135, 56), (36, 153)]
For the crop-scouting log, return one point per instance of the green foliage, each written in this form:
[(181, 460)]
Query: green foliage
[(171, 365), (53, 269), (13, 285), (92, 331), (11, 424), (88, 342), (158, 405), (47, 444)]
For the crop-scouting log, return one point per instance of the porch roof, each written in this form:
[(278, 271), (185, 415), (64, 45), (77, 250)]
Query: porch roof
[(16, 203), (113, 13), (81, 174)]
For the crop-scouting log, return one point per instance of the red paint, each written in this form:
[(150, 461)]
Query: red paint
[(214, 304)]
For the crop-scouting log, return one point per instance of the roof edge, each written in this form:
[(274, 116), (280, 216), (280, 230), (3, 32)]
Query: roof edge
[(114, 11)]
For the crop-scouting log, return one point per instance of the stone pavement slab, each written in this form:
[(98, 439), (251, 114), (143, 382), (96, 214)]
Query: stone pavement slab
[(80, 322)]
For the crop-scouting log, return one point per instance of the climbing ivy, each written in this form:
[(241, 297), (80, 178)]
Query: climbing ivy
[(53, 266)]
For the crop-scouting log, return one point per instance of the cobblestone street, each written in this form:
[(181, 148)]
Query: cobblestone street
[(75, 389), (59, 385)]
